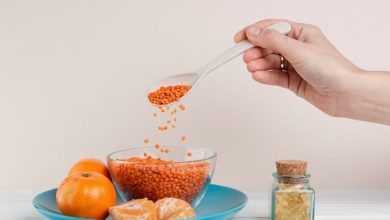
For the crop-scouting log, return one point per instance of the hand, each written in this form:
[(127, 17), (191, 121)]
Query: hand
[(317, 72)]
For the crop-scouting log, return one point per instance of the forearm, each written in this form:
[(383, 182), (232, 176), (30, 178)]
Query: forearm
[(369, 98)]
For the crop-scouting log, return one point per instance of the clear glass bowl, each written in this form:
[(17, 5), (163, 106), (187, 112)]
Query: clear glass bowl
[(176, 175)]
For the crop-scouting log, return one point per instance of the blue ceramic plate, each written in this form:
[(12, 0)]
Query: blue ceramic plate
[(220, 202)]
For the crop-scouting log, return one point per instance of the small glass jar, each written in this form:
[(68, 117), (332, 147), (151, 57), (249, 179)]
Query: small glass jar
[(292, 198)]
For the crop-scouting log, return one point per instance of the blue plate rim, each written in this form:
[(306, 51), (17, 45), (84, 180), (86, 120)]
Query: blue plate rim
[(53, 213), (227, 211), (235, 209), (46, 211)]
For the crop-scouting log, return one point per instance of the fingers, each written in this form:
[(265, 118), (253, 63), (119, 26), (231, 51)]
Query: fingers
[(266, 70), (269, 62), (255, 53), (263, 23), (272, 40), (241, 35), (275, 41), (272, 77)]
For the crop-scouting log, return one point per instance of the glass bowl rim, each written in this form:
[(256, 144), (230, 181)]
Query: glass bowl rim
[(109, 156)]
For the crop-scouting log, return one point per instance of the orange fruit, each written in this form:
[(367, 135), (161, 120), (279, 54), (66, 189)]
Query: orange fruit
[(90, 165), (172, 208), (137, 209), (86, 195)]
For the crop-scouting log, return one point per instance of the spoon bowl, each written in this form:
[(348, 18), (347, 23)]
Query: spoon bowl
[(180, 79)]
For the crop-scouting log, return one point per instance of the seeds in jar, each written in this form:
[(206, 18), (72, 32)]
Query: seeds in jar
[(292, 195), (292, 205)]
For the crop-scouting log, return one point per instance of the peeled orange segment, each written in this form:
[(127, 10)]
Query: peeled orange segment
[(137, 209), (172, 208)]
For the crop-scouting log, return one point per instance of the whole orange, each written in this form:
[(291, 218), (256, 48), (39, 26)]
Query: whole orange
[(86, 195), (89, 165)]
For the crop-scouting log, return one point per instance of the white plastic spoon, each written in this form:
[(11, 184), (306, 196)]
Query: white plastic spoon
[(193, 79)]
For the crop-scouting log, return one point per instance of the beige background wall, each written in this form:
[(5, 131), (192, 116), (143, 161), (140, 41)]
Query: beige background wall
[(73, 76)]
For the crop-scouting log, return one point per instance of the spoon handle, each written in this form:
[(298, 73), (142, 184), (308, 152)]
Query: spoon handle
[(239, 48)]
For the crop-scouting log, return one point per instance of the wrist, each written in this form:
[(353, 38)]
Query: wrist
[(350, 98), (367, 97)]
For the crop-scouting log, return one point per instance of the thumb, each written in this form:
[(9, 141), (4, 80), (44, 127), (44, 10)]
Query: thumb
[(272, 39)]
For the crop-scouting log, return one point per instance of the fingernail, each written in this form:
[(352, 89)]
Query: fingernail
[(254, 31)]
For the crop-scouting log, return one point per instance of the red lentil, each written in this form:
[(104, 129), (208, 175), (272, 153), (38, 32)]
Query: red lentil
[(168, 94), (163, 127), (154, 178), (182, 107)]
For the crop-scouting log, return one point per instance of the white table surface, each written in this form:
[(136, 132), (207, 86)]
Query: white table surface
[(359, 204)]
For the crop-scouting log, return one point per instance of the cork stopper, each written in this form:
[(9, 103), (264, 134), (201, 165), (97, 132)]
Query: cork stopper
[(291, 167)]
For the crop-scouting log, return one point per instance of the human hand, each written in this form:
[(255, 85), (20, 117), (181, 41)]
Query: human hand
[(317, 72)]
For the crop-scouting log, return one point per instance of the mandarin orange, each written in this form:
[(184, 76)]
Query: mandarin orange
[(86, 195), (90, 165)]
